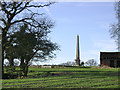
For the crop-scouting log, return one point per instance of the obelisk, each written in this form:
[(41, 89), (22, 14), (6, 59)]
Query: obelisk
[(77, 53)]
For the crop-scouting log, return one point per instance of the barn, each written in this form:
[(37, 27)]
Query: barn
[(111, 59)]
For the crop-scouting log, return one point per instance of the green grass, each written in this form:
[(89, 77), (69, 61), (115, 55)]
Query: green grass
[(66, 77)]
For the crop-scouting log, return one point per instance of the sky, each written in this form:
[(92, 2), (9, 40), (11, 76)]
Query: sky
[(90, 20)]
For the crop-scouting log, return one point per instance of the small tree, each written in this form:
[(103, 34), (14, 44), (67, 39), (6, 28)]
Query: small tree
[(91, 62), (82, 64), (29, 44), (69, 63)]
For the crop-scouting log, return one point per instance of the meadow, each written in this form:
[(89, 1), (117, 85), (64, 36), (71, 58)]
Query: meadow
[(66, 77)]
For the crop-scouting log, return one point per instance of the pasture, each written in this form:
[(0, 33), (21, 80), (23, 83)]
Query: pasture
[(66, 77)]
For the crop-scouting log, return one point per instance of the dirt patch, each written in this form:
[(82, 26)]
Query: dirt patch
[(101, 67)]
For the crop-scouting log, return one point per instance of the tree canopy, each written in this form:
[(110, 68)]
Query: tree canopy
[(25, 32)]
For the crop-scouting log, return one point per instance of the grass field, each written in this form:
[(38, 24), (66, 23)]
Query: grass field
[(66, 77)]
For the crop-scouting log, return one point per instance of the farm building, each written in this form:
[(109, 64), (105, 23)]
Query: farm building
[(111, 59)]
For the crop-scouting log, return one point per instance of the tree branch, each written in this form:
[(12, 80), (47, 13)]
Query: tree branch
[(4, 9), (23, 20), (3, 20), (41, 5), (22, 8), (35, 13)]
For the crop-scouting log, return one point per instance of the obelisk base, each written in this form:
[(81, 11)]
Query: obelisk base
[(77, 62)]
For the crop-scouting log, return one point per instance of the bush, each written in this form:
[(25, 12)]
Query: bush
[(82, 64)]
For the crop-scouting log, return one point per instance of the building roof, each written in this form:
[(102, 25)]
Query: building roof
[(109, 52)]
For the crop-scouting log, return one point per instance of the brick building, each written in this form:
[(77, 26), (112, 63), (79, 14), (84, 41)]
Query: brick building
[(111, 59)]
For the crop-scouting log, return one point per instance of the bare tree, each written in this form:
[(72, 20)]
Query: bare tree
[(69, 63), (91, 62), (115, 27)]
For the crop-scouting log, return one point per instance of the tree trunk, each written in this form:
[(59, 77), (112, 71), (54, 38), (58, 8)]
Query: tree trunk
[(25, 71), (3, 48), (4, 32), (22, 64), (24, 67), (2, 63), (1, 56), (12, 64)]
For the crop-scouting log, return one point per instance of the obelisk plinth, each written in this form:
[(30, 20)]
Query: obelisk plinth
[(77, 53)]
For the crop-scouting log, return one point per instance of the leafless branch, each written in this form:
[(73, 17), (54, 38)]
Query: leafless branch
[(35, 13), (38, 6), (1, 19), (22, 8)]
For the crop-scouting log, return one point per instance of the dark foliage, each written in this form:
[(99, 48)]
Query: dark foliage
[(25, 37)]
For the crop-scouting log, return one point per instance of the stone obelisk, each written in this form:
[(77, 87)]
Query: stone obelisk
[(77, 53)]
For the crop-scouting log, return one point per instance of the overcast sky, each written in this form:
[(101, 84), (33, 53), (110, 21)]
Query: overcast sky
[(90, 20)]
